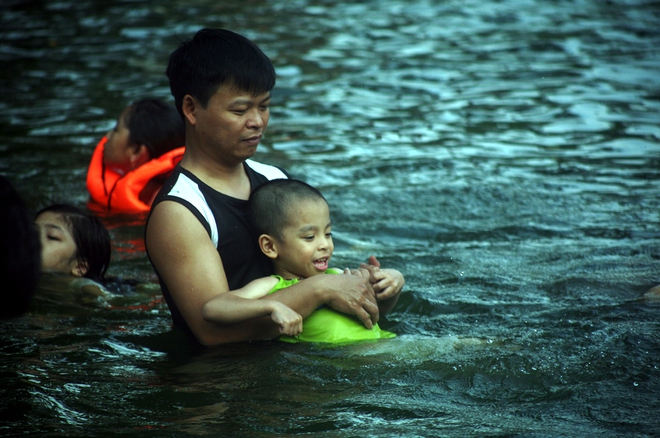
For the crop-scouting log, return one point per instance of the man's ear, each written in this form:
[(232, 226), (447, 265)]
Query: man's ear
[(139, 154), (268, 246), (189, 107), (79, 268)]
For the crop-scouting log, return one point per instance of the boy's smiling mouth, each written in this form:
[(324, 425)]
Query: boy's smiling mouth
[(321, 264)]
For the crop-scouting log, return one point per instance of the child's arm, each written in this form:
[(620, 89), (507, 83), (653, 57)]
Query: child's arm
[(256, 289), (244, 304)]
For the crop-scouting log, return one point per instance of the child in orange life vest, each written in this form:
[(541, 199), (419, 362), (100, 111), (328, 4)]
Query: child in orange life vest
[(130, 164), (292, 222)]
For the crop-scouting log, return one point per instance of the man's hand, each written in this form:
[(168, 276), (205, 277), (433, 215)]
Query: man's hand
[(352, 295)]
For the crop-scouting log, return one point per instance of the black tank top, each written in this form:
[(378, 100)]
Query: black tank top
[(225, 220)]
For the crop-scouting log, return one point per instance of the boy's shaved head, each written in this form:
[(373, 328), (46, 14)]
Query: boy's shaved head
[(271, 204)]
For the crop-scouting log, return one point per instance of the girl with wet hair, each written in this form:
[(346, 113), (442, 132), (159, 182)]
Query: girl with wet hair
[(73, 242)]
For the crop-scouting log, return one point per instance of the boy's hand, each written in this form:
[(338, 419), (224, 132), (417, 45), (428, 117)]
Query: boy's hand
[(373, 261), (289, 321), (387, 283), (366, 269)]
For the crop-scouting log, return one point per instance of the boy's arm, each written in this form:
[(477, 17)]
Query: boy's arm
[(256, 289), (241, 304), (244, 304), (192, 269)]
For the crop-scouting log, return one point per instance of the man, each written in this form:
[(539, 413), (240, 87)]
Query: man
[(197, 236)]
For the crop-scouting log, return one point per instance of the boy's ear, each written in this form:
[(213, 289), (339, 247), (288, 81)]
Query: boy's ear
[(139, 154), (188, 106), (268, 246), (79, 268)]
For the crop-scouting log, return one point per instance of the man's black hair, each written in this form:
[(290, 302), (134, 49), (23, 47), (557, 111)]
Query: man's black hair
[(214, 57)]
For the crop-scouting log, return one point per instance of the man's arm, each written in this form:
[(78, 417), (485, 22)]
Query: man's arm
[(347, 294), (190, 266)]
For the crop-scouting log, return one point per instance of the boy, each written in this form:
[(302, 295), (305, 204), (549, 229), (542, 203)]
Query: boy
[(292, 221), (131, 162)]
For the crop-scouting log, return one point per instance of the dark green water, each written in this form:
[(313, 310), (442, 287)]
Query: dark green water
[(504, 155)]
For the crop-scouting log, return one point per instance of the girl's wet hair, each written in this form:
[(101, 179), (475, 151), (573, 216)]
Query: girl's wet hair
[(270, 204), (155, 124), (90, 236), (214, 57)]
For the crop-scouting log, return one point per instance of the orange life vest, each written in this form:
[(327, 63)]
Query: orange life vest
[(119, 193)]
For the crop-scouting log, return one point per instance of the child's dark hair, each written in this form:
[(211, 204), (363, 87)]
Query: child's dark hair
[(90, 236), (20, 252), (155, 124), (270, 204), (214, 57)]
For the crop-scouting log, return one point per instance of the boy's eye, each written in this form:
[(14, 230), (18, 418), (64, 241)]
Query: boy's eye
[(309, 238), (328, 235), (51, 237)]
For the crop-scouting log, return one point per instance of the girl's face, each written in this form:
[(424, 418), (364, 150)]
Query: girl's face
[(58, 249)]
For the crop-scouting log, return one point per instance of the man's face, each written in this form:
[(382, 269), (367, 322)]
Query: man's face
[(232, 124)]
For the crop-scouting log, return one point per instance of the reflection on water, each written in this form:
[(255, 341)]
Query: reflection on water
[(503, 155)]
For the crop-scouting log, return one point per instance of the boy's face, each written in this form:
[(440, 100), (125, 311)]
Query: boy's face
[(116, 151), (232, 124), (58, 249), (306, 245)]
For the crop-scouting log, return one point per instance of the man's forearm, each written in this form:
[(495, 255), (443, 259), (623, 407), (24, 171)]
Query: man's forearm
[(347, 294)]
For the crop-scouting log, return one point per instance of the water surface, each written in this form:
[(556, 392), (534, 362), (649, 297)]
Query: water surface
[(502, 154)]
